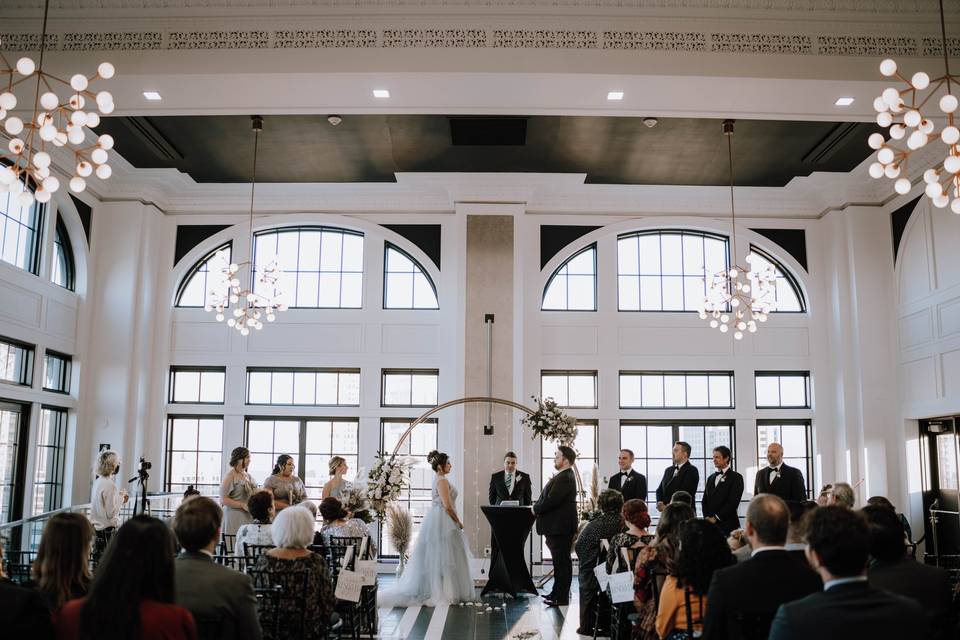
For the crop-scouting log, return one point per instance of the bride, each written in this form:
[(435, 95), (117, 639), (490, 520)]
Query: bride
[(439, 568)]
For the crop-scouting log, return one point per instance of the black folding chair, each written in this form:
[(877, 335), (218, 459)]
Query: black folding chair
[(227, 544), (282, 605), (234, 562), (19, 565)]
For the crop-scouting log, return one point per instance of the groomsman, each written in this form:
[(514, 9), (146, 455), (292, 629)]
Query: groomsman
[(510, 484), (627, 481), (556, 511), (779, 478), (681, 476), (722, 493)]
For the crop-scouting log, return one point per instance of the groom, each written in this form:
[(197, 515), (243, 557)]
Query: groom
[(556, 512)]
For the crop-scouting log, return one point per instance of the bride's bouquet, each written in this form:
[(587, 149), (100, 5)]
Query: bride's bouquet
[(355, 500), (551, 423), (387, 479)]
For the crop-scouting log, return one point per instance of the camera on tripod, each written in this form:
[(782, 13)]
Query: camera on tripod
[(142, 478)]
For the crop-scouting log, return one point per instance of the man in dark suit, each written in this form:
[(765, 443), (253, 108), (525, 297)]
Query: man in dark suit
[(848, 607), (780, 479), (753, 589), (722, 493), (891, 569), (510, 484), (556, 511), (631, 484), (681, 476), (209, 590)]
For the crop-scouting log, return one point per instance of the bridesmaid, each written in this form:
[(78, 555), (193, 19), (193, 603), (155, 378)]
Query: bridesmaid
[(336, 486), (287, 488), (235, 490)]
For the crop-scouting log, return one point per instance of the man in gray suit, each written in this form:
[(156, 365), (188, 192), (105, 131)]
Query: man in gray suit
[(213, 593)]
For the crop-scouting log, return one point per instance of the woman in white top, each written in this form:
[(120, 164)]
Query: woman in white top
[(260, 505), (106, 499)]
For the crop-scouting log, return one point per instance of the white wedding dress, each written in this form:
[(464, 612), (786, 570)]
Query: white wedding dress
[(439, 568)]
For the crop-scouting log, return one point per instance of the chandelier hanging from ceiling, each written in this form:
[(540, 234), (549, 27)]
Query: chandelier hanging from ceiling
[(53, 122), (262, 300), (738, 298), (905, 112)]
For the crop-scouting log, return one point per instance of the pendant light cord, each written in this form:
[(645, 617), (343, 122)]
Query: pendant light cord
[(257, 127), (728, 132), (943, 39), (36, 96)]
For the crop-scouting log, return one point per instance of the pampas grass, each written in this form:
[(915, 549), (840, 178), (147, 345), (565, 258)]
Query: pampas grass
[(399, 527), (595, 488)]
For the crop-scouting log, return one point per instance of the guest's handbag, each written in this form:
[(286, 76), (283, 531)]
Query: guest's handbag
[(621, 584), (349, 583), (366, 568), (600, 571)]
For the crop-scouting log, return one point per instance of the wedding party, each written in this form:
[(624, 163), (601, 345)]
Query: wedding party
[(479, 319)]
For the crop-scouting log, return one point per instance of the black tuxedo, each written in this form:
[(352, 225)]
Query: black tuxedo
[(754, 589), (789, 485), (929, 586), (521, 488), (687, 479), (634, 488), (722, 499), (556, 511), (851, 610)]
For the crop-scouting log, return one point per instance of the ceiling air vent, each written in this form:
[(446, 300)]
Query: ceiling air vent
[(488, 132)]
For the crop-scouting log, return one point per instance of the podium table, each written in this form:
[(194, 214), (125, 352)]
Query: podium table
[(508, 567)]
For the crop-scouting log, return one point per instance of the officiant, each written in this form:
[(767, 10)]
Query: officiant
[(510, 484), (631, 484)]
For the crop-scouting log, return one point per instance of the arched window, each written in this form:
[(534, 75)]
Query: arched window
[(788, 296), (322, 266), (573, 286), (20, 231), (667, 270), (63, 273), (406, 284), (195, 287)]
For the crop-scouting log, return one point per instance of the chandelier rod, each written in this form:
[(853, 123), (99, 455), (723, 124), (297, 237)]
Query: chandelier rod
[(257, 127), (728, 132), (943, 37)]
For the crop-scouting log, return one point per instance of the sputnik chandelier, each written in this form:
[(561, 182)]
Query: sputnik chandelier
[(52, 122), (740, 297), (901, 110), (262, 300)]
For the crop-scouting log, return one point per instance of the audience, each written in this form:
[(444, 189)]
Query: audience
[(752, 590), (260, 506), (681, 496), (702, 551), (823, 498), (213, 593), (629, 543), (338, 523), (61, 571), (739, 544), (299, 571), (842, 495), (603, 527), (880, 501), (891, 569), (132, 592), (848, 607), (796, 546), (23, 612)]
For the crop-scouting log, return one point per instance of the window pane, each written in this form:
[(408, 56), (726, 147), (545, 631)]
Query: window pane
[(652, 391), (308, 290), (397, 389), (195, 289), (260, 435), (287, 437), (582, 391), (573, 285), (555, 387), (674, 391), (671, 255), (424, 389), (399, 290), (628, 292), (353, 253), (329, 290), (793, 391), (186, 386), (697, 391), (184, 434), (351, 295), (581, 292), (629, 391), (304, 387), (258, 384), (331, 251), (768, 391), (326, 388), (211, 386), (720, 391), (650, 295), (397, 262), (673, 293), (211, 435), (794, 440), (282, 390), (18, 240), (628, 260), (350, 388), (650, 255)]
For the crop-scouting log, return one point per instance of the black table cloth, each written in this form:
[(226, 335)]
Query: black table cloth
[(508, 567)]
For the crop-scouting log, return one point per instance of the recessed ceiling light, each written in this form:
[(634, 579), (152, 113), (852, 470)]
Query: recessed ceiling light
[(615, 95), (152, 95), (381, 93), (843, 102)]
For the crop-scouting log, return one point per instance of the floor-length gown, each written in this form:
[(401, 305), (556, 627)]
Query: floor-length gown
[(439, 568)]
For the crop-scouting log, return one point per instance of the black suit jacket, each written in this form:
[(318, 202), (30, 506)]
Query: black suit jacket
[(755, 588), (851, 610), (789, 485), (210, 590), (688, 479), (721, 500), (556, 508), (928, 586), (522, 490), (24, 613), (634, 488)]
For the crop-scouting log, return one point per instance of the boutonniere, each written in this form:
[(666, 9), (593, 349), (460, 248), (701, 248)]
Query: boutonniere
[(519, 475)]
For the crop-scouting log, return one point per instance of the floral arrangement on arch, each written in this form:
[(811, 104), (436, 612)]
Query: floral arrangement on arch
[(387, 479), (551, 423), (355, 500)]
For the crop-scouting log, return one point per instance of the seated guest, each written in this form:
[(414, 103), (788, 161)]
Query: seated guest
[(739, 544), (292, 532), (61, 571), (310, 506), (880, 501), (796, 534), (753, 590), (702, 551), (23, 612), (260, 506), (891, 569), (681, 496), (190, 491), (823, 498), (211, 592), (604, 527), (838, 541), (132, 591), (629, 543), (842, 495), (338, 523)]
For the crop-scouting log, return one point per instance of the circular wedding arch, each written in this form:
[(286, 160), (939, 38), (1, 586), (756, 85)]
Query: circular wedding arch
[(483, 400)]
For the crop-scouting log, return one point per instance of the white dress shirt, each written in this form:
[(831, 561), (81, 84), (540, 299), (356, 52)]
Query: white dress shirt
[(105, 503)]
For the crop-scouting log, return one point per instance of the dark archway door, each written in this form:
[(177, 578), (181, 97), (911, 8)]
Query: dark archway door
[(941, 495)]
